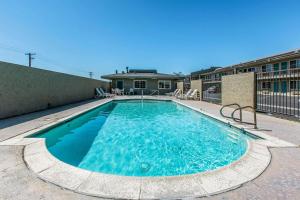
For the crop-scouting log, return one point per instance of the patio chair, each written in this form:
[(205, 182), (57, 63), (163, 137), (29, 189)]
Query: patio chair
[(131, 91), (105, 93), (121, 91)]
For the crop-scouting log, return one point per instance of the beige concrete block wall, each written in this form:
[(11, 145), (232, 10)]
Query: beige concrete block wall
[(197, 84), (180, 85), (24, 90), (239, 88)]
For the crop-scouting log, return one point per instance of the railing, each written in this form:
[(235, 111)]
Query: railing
[(232, 104), (278, 92), (278, 73), (240, 119)]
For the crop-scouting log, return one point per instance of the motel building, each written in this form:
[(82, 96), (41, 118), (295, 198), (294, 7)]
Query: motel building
[(277, 74), (143, 81)]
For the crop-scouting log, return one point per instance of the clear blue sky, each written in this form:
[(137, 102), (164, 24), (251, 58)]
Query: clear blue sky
[(172, 36)]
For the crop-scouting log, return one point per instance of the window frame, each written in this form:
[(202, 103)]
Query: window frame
[(164, 88), (140, 81)]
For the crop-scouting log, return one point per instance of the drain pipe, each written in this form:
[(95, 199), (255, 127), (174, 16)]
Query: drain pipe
[(142, 94)]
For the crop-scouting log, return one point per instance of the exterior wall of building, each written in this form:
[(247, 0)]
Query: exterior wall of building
[(25, 89), (239, 88), (197, 84), (151, 85), (278, 65)]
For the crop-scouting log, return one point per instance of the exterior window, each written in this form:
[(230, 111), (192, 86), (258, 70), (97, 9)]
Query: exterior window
[(266, 85), (164, 84), (294, 84), (263, 68), (276, 67), (119, 84), (298, 63), (269, 67), (252, 69), (139, 84), (284, 66), (208, 77), (293, 64)]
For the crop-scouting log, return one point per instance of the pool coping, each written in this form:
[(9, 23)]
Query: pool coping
[(48, 168)]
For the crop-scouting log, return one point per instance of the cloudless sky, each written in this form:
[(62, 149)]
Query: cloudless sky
[(101, 36)]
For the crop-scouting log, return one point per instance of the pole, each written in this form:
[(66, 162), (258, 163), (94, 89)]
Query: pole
[(30, 58)]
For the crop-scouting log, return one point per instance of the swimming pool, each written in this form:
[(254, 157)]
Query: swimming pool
[(145, 138)]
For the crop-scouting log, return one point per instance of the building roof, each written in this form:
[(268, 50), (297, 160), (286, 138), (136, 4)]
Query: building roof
[(273, 58), (260, 61), (211, 69), (146, 74)]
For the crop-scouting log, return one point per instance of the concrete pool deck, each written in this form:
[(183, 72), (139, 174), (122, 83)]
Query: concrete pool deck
[(13, 164)]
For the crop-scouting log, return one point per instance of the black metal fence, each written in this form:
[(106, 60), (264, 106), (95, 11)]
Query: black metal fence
[(211, 91), (278, 92)]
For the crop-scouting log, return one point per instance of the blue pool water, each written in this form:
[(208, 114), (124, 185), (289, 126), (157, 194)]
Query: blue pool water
[(145, 138)]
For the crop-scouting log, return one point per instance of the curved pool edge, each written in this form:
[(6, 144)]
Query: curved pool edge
[(50, 169)]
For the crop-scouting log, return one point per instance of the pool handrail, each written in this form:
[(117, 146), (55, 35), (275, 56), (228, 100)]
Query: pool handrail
[(227, 105), (240, 120)]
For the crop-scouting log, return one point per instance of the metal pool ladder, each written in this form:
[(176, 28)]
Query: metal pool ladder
[(240, 109)]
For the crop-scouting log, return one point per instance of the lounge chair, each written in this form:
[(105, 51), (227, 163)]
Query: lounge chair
[(105, 93), (193, 95), (178, 94), (99, 94), (172, 93), (185, 96)]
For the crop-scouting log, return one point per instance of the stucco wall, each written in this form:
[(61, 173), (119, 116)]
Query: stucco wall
[(239, 88), (197, 84), (24, 89)]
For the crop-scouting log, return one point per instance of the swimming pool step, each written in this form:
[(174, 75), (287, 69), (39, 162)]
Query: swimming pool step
[(233, 132), (232, 140), (233, 136), (104, 113)]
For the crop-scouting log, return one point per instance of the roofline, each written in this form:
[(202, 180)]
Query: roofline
[(275, 57), (112, 77)]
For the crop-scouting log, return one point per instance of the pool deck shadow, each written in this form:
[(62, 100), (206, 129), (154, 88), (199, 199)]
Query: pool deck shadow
[(281, 180), (14, 126)]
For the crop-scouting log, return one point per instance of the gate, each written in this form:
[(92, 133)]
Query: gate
[(278, 92), (211, 91)]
